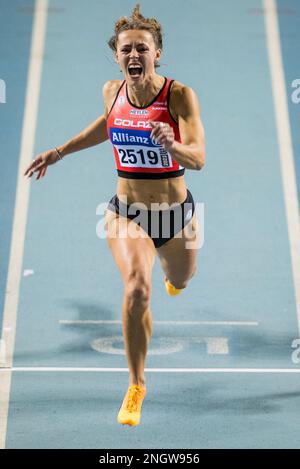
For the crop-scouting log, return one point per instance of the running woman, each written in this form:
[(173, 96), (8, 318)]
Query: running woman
[(154, 125)]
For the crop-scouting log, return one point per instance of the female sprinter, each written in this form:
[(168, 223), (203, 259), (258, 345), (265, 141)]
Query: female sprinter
[(154, 125)]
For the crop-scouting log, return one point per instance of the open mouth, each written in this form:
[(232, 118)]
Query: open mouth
[(135, 71)]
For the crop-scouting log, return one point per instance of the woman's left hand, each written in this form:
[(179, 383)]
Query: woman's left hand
[(163, 134)]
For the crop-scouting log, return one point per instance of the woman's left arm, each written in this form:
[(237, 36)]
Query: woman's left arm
[(191, 152)]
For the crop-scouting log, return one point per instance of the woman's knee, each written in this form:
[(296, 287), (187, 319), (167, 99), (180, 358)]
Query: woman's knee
[(137, 292)]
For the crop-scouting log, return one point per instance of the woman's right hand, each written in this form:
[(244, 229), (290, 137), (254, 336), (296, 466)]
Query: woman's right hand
[(41, 162)]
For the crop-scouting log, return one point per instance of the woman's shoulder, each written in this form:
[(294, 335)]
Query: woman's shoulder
[(112, 85), (177, 85), (179, 88), (181, 98), (176, 92), (109, 90)]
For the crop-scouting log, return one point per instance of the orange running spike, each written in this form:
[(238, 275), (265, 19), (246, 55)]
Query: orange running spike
[(171, 290), (130, 412)]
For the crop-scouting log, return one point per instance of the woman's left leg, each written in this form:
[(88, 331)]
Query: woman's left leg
[(178, 256)]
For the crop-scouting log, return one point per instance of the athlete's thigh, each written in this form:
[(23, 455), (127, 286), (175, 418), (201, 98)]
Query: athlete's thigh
[(178, 256), (132, 248)]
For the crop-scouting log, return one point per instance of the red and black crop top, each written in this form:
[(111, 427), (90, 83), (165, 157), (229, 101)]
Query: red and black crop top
[(128, 127)]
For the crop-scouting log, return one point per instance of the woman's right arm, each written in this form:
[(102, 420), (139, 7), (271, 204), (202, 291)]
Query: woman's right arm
[(92, 135)]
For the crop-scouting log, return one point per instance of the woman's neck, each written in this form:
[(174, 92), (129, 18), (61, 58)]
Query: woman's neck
[(142, 94)]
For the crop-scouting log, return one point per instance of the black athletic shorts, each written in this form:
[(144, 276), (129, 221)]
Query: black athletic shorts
[(161, 225)]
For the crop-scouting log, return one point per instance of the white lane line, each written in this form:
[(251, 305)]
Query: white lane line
[(2, 351), (150, 370), (217, 345), (284, 142), (21, 205), (2, 92), (164, 345), (175, 323)]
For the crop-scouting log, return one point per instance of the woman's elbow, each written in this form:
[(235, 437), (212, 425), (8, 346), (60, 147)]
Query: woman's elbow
[(200, 161)]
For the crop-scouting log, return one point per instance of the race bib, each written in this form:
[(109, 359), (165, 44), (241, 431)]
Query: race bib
[(135, 149)]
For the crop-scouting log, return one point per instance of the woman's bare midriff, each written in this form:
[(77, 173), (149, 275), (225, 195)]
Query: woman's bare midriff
[(149, 191)]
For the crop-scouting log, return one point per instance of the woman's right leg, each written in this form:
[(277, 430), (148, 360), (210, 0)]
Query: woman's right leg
[(135, 259)]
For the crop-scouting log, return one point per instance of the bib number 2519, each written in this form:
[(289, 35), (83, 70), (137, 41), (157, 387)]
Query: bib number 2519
[(131, 157)]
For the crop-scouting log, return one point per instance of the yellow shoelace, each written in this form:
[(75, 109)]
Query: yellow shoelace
[(135, 393)]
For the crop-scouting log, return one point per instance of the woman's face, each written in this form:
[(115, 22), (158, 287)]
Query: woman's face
[(136, 47)]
